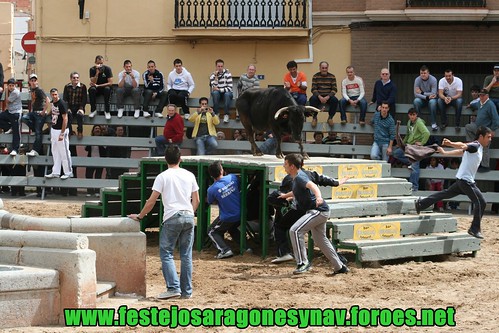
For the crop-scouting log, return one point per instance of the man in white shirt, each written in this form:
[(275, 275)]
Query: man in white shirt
[(450, 93), (128, 85), (180, 86)]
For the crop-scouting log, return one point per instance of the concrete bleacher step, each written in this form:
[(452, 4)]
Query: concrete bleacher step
[(105, 289), (344, 229), (410, 247), (371, 207)]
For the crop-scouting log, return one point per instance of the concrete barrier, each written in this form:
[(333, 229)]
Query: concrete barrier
[(119, 245), (64, 252)]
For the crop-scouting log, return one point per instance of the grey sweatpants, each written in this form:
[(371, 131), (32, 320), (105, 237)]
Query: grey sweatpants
[(314, 221)]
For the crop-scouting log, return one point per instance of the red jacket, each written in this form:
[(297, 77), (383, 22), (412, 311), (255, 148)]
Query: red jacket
[(174, 129)]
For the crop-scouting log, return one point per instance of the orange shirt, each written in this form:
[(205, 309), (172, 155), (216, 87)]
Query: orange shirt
[(300, 77)]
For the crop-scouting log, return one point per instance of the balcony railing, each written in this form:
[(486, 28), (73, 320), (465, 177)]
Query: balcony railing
[(447, 3), (241, 14)]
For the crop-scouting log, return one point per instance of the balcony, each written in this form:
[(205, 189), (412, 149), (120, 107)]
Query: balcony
[(446, 3), (239, 18)]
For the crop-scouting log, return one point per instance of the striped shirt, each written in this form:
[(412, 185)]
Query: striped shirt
[(324, 85), (222, 80)]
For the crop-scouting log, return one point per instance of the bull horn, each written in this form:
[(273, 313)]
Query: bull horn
[(312, 108), (279, 112)]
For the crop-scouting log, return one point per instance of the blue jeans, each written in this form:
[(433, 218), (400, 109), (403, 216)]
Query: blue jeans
[(206, 144), (399, 154), (378, 152), (457, 104), (301, 99), (179, 227), (35, 123), (362, 104), (432, 106), (217, 96), (161, 144)]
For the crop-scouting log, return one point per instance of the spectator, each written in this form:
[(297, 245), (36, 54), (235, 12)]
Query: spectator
[(385, 90), (154, 88), (75, 94), (486, 116), (11, 118), (491, 83), (425, 94), (118, 152), (384, 133), (236, 135), (450, 92), (128, 85), (101, 81), (352, 89), (417, 134), (475, 94), (225, 193), (173, 132), (205, 134), (434, 184), (220, 135), (179, 192), (180, 86), (331, 139), (324, 89), (318, 137), (221, 88), (59, 138), (94, 151), (36, 118), (296, 83), (246, 81)]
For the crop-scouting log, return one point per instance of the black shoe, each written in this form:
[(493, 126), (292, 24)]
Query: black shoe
[(477, 234), (458, 128), (342, 270), (443, 126), (483, 169), (417, 205)]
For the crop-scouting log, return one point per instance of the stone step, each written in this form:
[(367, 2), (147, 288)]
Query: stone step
[(105, 289), (371, 207)]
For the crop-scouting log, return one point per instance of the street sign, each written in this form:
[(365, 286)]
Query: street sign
[(28, 42), (31, 60)]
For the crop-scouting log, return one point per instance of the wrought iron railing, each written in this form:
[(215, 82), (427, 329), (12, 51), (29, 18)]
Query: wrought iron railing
[(446, 3), (241, 14)]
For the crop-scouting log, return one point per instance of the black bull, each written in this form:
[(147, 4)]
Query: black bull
[(272, 109)]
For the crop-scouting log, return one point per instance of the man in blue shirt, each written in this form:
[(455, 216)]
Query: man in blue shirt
[(465, 183), (224, 192)]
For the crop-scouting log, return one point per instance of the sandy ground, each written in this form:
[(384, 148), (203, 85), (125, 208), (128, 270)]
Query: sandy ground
[(468, 284)]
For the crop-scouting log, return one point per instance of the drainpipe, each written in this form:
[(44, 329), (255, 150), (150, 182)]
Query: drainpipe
[(310, 58)]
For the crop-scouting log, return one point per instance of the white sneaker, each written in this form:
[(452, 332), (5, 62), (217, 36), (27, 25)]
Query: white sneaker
[(159, 115), (9, 131), (52, 175), (92, 114), (88, 195), (81, 112), (108, 115), (226, 118), (120, 113), (284, 258), (146, 114), (187, 116), (223, 255), (67, 176), (32, 153), (97, 195), (13, 153), (136, 114)]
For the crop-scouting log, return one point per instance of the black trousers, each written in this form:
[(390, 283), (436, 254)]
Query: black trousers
[(461, 187)]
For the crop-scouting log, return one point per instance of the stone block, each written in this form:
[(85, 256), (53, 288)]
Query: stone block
[(104, 224), (58, 240), (59, 224)]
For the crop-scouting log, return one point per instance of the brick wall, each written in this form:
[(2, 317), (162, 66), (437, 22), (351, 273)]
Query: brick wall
[(24, 5), (373, 47)]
